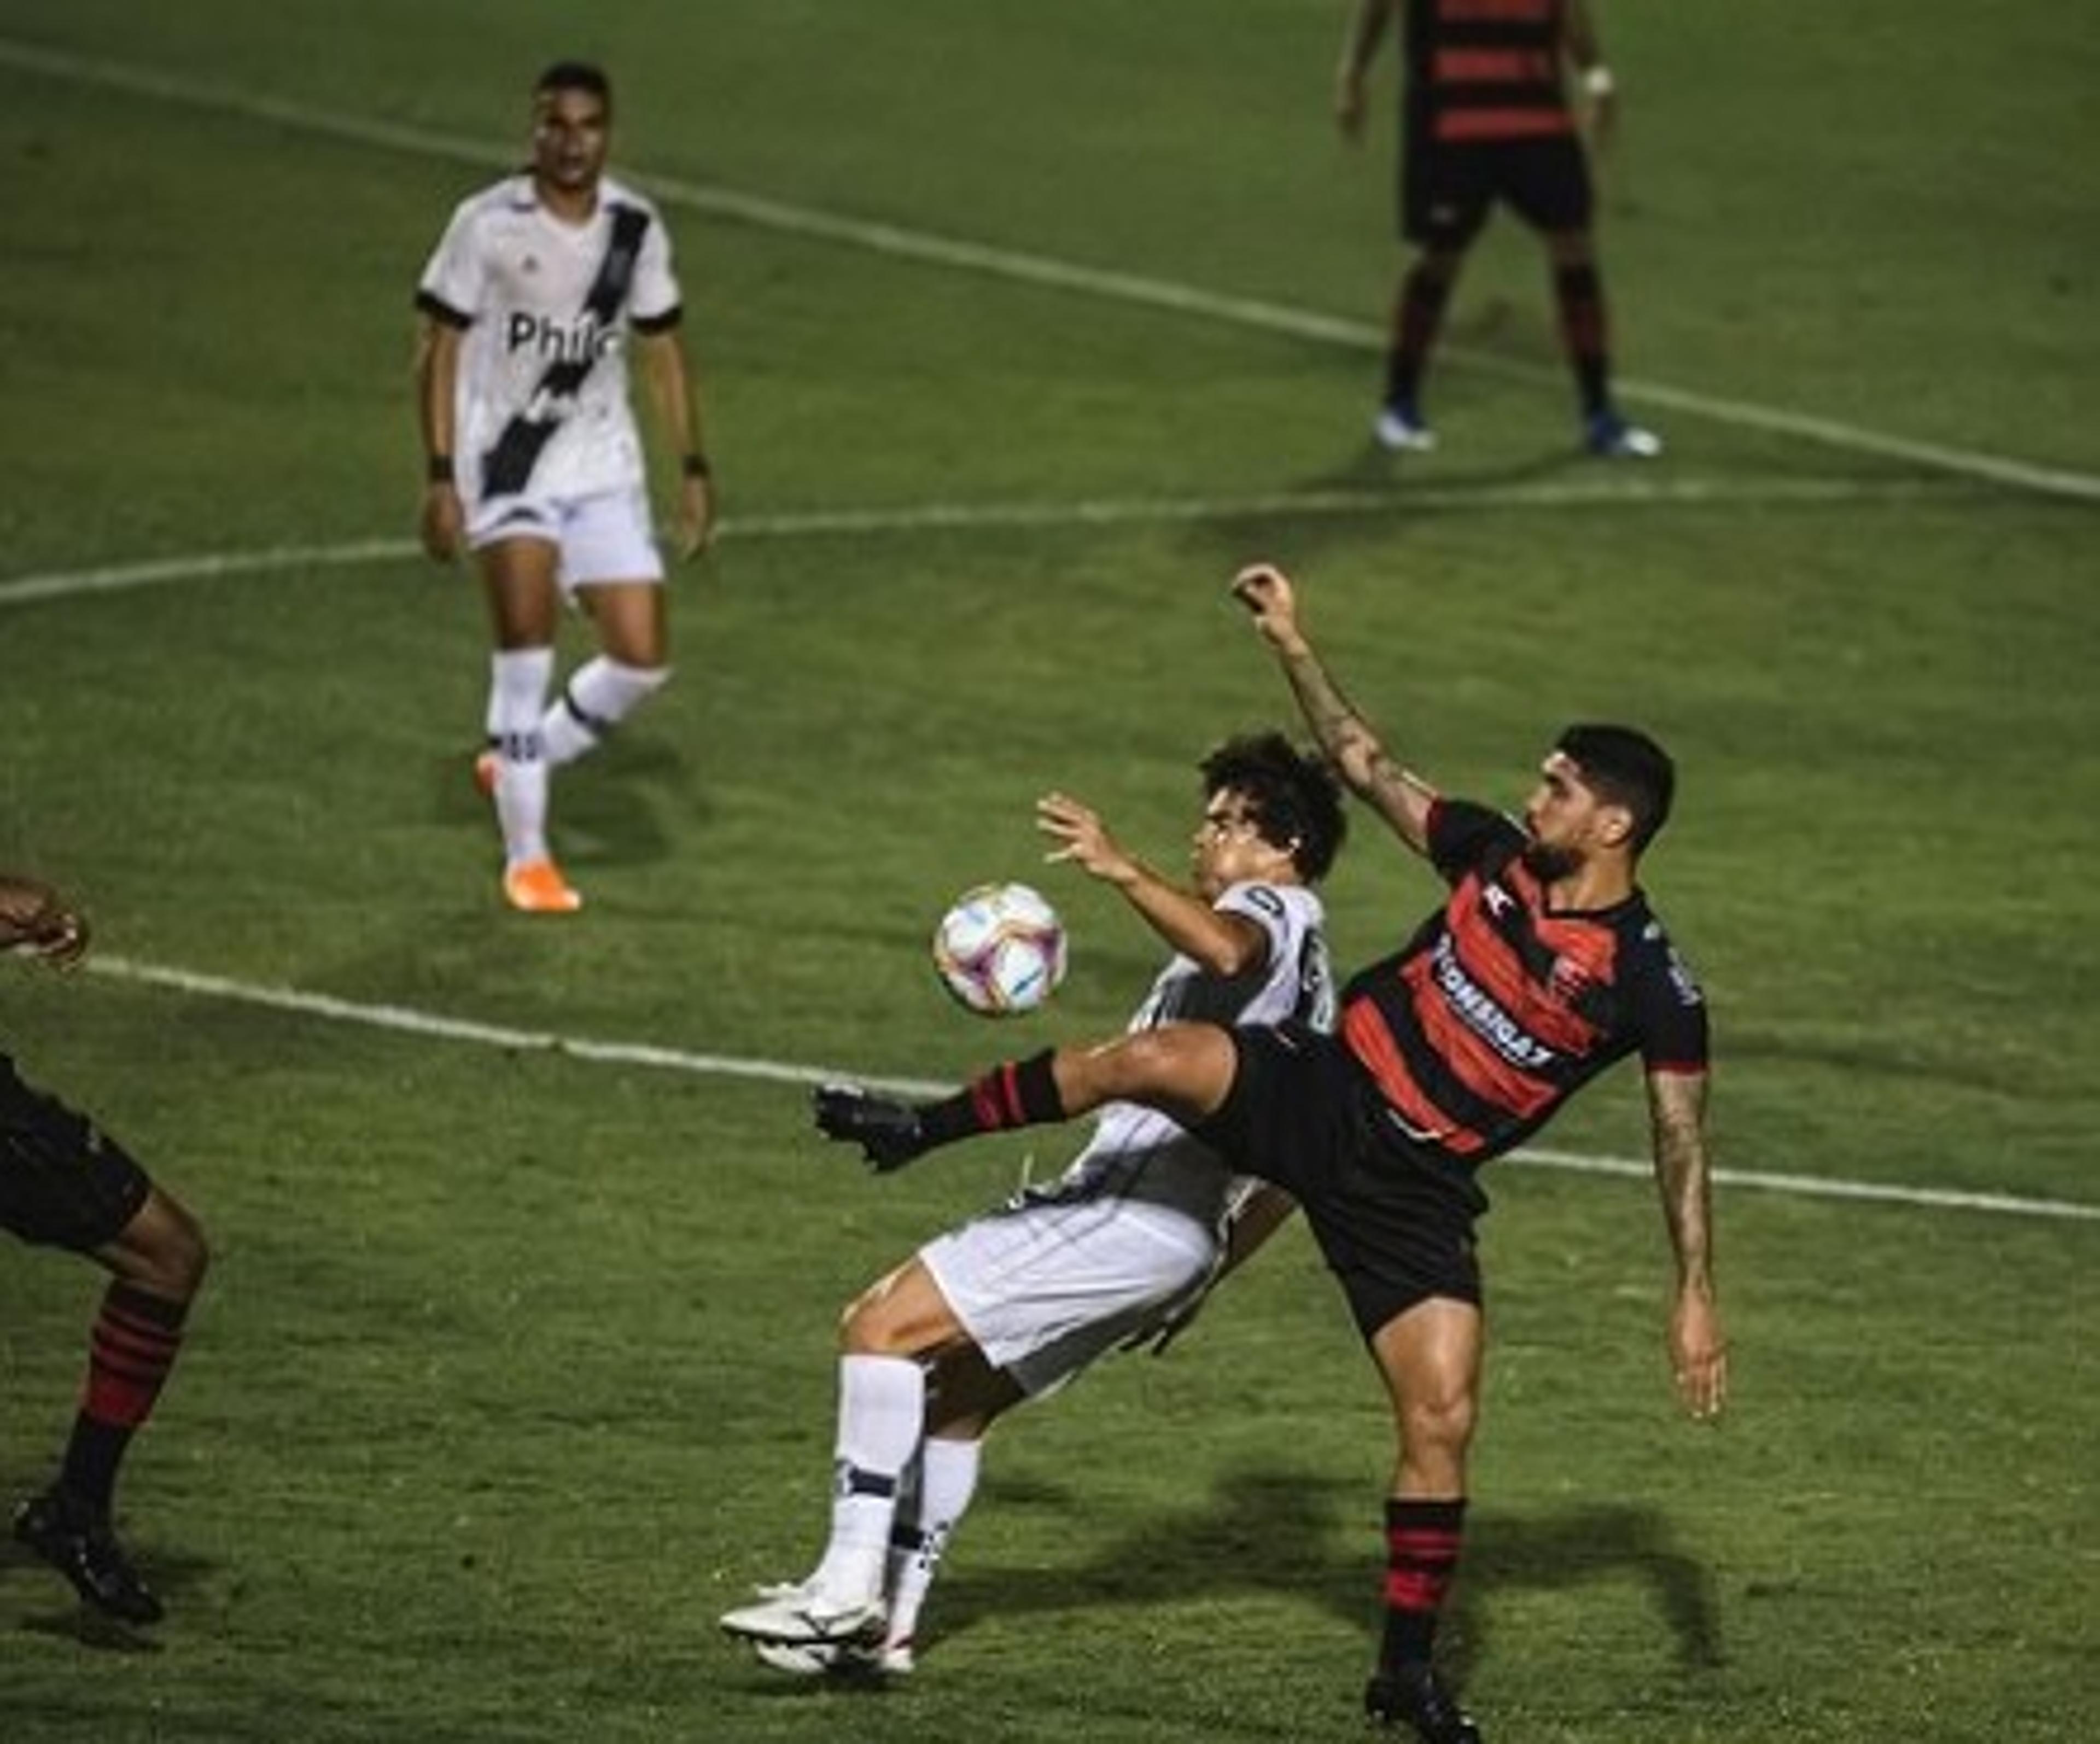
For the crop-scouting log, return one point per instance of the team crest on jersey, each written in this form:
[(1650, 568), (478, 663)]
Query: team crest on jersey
[(1568, 980)]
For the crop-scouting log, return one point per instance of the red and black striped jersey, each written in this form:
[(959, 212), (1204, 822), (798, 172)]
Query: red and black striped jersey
[(1481, 70), (1500, 1008)]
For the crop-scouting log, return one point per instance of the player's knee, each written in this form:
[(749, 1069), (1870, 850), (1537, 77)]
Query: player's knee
[(1152, 1062), (866, 1328), (164, 1250), (1439, 1428)]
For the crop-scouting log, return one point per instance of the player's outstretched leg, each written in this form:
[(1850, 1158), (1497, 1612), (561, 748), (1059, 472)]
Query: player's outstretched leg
[(1413, 1695), (890, 1134)]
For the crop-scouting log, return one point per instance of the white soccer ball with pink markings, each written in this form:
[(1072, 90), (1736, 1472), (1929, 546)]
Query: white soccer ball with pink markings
[(1001, 949)]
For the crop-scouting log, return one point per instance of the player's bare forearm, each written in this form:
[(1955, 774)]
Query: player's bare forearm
[(678, 405), (443, 520), (437, 374), (671, 386), (1359, 755), (1677, 1114), (1400, 797), (1698, 1348), (1360, 47), (1366, 30), (1225, 944)]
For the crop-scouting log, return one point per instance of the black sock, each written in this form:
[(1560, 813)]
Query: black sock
[(1581, 297), (1415, 323), (1023, 1092)]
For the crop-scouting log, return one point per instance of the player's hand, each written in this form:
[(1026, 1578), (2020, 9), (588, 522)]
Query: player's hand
[(1083, 838), (34, 922), (1349, 106), (696, 518), (1698, 1354), (1272, 600), (443, 522)]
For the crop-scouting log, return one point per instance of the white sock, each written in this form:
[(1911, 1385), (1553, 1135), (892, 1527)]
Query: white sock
[(882, 1404), (947, 1480), (600, 694), (518, 683)]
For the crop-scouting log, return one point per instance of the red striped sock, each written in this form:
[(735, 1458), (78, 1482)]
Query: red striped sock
[(1422, 1542), (1022, 1092), (137, 1336)]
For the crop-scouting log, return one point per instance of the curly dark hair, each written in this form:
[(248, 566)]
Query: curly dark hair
[(1292, 796)]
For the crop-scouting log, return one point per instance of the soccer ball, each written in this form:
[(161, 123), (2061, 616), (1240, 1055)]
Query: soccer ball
[(1001, 949)]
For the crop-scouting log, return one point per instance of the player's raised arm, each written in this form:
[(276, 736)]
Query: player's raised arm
[(1698, 1350), (1398, 795), (1224, 943)]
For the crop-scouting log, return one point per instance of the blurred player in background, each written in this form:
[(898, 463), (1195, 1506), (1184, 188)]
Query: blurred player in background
[(533, 458), (1121, 1248), (65, 1184), (1544, 967), (1486, 118)]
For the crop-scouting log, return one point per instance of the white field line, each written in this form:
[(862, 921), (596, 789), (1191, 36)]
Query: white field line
[(405, 1020), (899, 242), (1574, 494)]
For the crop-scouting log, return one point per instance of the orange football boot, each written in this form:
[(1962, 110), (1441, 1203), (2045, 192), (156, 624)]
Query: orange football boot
[(538, 887)]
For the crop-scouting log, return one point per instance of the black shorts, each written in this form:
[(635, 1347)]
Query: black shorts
[(1447, 189), (63, 1182), (1394, 1221)]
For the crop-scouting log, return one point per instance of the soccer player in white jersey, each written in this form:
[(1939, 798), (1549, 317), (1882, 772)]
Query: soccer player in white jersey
[(1120, 1249), (529, 304)]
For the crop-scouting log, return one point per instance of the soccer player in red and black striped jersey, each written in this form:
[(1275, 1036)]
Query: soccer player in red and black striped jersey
[(1543, 967), (1486, 119), (64, 1183)]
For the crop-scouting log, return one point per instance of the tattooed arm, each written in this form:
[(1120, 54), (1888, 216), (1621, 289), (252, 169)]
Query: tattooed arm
[(1698, 1348), (1398, 795)]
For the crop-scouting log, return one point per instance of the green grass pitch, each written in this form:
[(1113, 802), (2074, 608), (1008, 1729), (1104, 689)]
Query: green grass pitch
[(1021, 328)]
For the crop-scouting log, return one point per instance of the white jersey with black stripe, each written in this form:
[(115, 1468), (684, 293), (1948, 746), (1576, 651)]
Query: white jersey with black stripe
[(519, 282), (1140, 1153)]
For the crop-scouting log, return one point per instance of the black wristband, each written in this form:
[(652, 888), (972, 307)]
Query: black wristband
[(695, 465), (438, 469)]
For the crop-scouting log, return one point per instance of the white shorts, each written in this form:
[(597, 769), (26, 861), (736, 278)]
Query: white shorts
[(603, 537), (1048, 1285)]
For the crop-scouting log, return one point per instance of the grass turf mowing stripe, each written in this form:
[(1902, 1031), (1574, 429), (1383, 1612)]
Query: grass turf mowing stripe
[(1650, 493), (408, 1021), (960, 254)]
